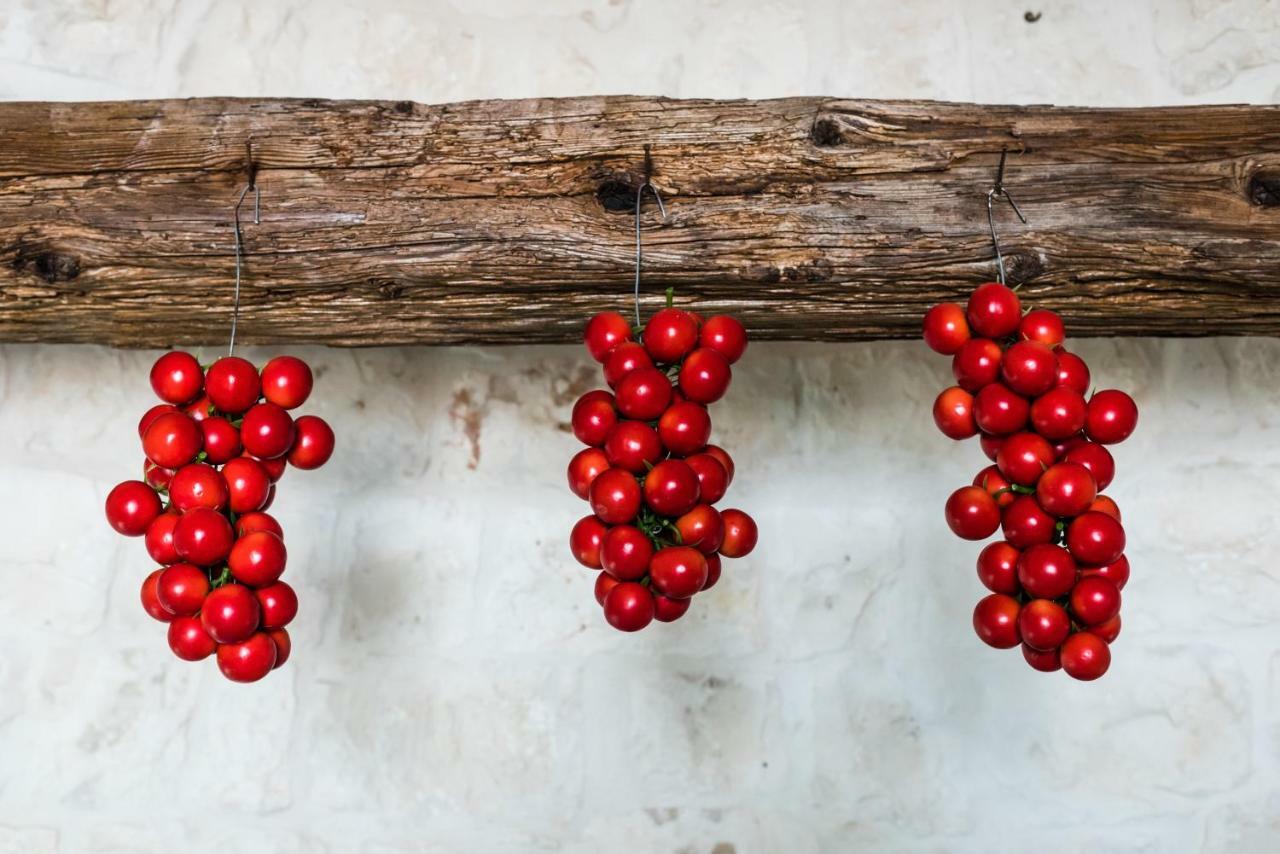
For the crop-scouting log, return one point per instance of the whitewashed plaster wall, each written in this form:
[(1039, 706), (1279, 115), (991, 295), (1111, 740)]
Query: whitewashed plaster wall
[(453, 687)]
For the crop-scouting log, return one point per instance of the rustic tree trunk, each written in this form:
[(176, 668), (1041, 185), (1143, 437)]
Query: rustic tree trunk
[(510, 221)]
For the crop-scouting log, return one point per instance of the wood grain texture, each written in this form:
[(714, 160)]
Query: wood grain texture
[(510, 221)]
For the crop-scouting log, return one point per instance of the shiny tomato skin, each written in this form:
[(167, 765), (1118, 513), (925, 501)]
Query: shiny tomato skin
[(1043, 625), (605, 331), (233, 385), (594, 417), (670, 334), (998, 568), (1058, 413), (994, 311), (313, 443), (267, 431), (995, 620), (1066, 490), (634, 446), (971, 513), (671, 488), (176, 378), (231, 613), (257, 559), (172, 440), (740, 533), (1085, 656), (1095, 539), (1025, 524), (583, 469), (977, 364), (131, 507), (629, 606), (1110, 417), (702, 528), (678, 572), (189, 641), (279, 604), (248, 660), (1000, 411), (953, 413), (1046, 571), (286, 381), (585, 540), (685, 428), (150, 601), (705, 376), (615, 496), (644, 394), (725, 335), (181, 589), (945, 328)]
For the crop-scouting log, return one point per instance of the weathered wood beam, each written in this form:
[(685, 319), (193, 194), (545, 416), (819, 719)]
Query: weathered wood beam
[(509, 221)]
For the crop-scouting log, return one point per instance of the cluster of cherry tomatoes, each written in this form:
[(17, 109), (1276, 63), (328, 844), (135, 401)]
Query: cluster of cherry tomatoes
[(213, 453), (1055, 578), (649, 472)]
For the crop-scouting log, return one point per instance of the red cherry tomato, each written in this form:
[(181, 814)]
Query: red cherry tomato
[(990, 445), (1043, 625), (994, 311), (1029, 368), (1058, 413), (176, 378), (247, 484), (1096, 459), (671, 488), (644, 394), (725, 335), (1073, 373), (230, 613), (668, 610), (286, 382), (584, 467), (594, 417), (629, 606), (249, 660), (280, 637), (1106, 504), (1045, 662), (1000, 411), (198, 485), (705, 376), (1043, 326), (172, 440), (998, 568), (615, 496), (713, 571), (1025, 524), (1108, 630), (995, 619), (313, 444), (604, 332), (233, 385), (670, 335), (181, 589), (150, 602), (1095, 539), (977, 364), (972, 514), (740, 533), (722, 456), (604, 583), (585, 540), (149, 417), (267, 431), (156, 477), (996, 484), (189, 641), (1094, 600), (625, 553), (945, 328), (199, 411), (203, 536), (702, 528), (1110, 417), (258, 521), (1066, 489), (953, 413), (221, 440), (713, 481), (1085, 656), (1046, 571), (1117, 572), (634, 446), (159, 539), (623, 359), (257, 559), (279, 605), (131, 508), (678, 572), (685, 428), (1024, 457)]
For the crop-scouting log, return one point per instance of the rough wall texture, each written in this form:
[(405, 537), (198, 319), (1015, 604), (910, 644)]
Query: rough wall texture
[(453, 687)]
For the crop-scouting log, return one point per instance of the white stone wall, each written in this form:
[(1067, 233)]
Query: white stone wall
[(453, 687)]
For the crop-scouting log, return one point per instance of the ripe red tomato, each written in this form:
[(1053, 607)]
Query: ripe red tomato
[(972, 514), (1117, 572), (605, 331), (198, 485), (625, 553), (713, 571), (313, 445), (1024, 457), (131, 507), (1046, 571), (258, 521), (1025, 524), (722, 457), (150, 602), (670, 334), (634, 446), (594, 417), (946, 328), (644, 394), (604, 583), (1043, 625), (996, 484), (1085, 656), (248, 660), (1094, 600), (678, 572), (685, 428), (584, 467), (702, 528), (221, 440), (1073, 373), (995, 619), (181, 589), (725, 335), (257, 559), (629, 606), (1106, 504), (713, 482), (247, 484), (1045, 662), (990, 445), (233, 385), (1029, 368), (189, 641), (1095, 539), (740, 533), (149, 417), (705, 376), (998, 568), (668, 610), (280, 637), (286, 382), (1000, 411), (172, 440), (1058, 414), (156, 477), (279, 605), (953, 413), (176, 378), (1108, 630), (1043, 326), (159, 539), (230, 613), (267, 431), (623, 359), (1110, 417), (615, 496), (671, 488), (1066, 489), (1096, 459), (274, 468), (203, 536), (994, 311), (199, 410), (585, 540), (977, 364)]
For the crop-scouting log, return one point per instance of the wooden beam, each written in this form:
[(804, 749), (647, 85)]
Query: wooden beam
[(510, 221)]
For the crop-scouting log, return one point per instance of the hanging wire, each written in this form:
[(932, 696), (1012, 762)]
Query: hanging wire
[(257, 220), (647, 184), (997, 191)]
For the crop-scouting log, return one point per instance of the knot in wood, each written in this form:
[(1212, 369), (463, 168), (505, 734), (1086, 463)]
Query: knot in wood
[(1264, 190), (50, 265)]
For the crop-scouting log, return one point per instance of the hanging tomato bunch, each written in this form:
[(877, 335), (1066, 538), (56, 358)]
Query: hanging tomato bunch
[(1055, 578), (214, 451), (649, 471)]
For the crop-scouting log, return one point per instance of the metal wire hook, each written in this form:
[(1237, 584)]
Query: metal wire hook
[(998, 190), (257, 220), (647, 184)]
